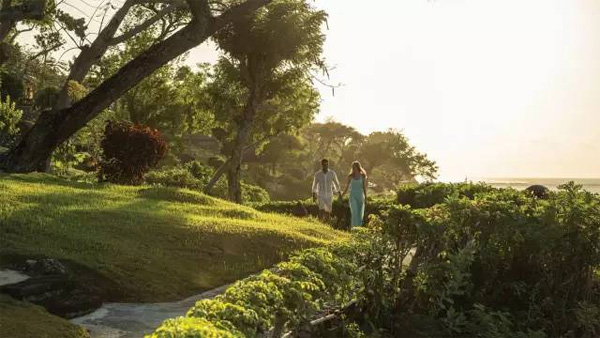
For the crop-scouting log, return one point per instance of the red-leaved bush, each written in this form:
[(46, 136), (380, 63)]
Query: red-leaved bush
[(129, 151)]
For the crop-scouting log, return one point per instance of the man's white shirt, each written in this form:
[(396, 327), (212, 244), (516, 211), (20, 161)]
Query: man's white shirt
[(325, 184)]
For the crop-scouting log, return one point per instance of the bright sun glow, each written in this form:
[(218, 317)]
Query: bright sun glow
[(486, 88)]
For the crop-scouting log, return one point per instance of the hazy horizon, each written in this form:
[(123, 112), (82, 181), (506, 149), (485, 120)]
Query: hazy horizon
[(485, 88)]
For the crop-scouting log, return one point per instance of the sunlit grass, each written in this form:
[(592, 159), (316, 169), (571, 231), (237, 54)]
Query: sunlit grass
[(154, 243)]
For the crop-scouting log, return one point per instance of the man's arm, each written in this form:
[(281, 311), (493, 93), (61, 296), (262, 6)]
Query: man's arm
[(315, 188), (336, 184)]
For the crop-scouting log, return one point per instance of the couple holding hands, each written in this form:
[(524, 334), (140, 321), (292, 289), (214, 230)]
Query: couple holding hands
[(326, 183)]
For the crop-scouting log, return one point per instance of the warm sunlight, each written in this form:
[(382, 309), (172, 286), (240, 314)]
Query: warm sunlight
[(299, 168), (487, 88)]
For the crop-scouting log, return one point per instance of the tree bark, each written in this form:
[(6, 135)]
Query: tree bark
[(216, 176), (234, 183), (243, 136), (55, 127)]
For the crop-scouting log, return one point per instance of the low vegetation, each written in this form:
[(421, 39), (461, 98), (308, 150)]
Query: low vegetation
[(149, 243), (19, 319), (491, 263), (283, 299)]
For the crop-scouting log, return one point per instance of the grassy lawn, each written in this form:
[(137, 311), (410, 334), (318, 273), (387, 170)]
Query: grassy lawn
[(148, 243), (18, 319)]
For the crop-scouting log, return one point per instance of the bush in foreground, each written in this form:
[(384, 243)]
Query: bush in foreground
[(501, 264), (283, 299)]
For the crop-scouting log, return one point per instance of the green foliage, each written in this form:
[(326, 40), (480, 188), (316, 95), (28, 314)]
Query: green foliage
[(392, 160), (290, 295), (190, 327), (429, 194), (286, 165), (262, 86), (129, 151), (9, 119), (11, 83), (46, 98), (486, 262), (174, 177), (340, 213), (195, 175), (254, 194)]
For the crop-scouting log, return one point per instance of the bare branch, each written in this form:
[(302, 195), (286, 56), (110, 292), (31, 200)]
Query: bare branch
[(145, 25)]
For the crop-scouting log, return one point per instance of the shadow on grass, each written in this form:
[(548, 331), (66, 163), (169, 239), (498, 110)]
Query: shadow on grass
[(176, 195), (47, 179), (151, 250)]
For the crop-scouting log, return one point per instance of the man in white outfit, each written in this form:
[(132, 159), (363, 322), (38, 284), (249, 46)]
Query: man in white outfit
[(325, 184)]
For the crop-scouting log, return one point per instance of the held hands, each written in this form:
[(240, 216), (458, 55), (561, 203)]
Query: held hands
[(314, 197)]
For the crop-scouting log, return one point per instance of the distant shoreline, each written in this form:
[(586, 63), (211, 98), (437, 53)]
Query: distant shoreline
[(590, 184)]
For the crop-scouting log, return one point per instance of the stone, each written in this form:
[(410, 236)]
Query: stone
[(61, 295), (538, 191), (47, 266)]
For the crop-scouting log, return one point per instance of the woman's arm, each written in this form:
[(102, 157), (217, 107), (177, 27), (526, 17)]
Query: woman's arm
[(347, 186)]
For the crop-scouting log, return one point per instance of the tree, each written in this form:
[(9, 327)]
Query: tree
[(263, 81), (55, 126), (183, 113), (13, 12), (286, 165), (334, 141), (392, 160)]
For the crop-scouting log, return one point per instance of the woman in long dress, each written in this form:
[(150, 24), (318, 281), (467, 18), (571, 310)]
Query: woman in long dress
[(357, 184)]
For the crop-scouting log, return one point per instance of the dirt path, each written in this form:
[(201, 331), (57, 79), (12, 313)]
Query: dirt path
[(134, 320)]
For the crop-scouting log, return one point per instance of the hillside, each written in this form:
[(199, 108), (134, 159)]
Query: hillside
[(145, 243)]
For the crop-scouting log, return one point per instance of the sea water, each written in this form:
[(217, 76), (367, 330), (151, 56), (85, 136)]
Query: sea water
[(590, 184)]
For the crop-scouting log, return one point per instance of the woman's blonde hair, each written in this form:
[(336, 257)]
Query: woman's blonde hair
[(359, 167)]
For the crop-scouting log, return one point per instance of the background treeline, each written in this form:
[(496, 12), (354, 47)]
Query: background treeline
[(245, 122)]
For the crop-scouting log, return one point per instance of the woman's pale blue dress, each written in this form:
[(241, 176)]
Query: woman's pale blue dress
[(357, 201)]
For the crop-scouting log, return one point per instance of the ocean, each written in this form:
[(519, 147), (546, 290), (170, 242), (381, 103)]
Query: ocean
[(590, 184)]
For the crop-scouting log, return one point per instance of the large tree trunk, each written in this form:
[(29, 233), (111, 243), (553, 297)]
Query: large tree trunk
[(234, 183), (53, 128)]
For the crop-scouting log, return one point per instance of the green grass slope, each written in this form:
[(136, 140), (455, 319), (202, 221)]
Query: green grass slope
[(152, 244), (23, 320)]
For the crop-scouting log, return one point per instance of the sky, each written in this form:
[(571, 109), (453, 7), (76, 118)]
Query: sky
[(486, 88)]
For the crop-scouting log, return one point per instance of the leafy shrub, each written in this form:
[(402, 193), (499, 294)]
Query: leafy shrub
[(340, 212), (429, 194), (9, 119), (254, 193), (129, 151), (284, 298), (200, 171), (190, 327), (502, 264), (195, 175), (174, 177)]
